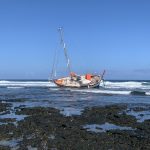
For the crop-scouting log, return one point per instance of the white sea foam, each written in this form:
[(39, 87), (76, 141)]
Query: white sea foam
[(17, 84), (129, 84), (147, 93), (107, 91), (111, 87), (4, 82), (102, 91), (13, 87)]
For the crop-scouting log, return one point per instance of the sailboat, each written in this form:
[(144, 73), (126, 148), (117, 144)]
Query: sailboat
[(74, 80)]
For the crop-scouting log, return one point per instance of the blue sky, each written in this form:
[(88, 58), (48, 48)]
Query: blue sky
[(100, 34)]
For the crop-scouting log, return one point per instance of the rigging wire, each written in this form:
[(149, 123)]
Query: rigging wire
[(65, 49), (56, 53), (54, 65)]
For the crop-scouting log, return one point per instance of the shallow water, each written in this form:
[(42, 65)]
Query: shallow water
[(11, 143), (141, 116), (104, 127)]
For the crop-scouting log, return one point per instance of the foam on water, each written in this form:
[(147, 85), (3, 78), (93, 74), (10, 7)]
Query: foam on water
[(17, 84), (4, 81), (68, 101), (12, 87), (128, 85), (147, 93), (108, 84), (102, 91)]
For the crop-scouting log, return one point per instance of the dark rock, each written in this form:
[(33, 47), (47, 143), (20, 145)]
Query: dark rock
[(4, 106), (46, 128)]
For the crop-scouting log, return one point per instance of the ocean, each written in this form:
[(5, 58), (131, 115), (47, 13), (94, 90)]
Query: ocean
[(73, 101)]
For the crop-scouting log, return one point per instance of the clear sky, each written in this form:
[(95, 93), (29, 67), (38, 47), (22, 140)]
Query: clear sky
[(100, 34)]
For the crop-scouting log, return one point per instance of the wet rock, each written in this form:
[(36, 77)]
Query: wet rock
[(37, 111), (4, 148), (5, 130), (142, 93), (4, 106), (122, 119), (7, 120), (45, 128)]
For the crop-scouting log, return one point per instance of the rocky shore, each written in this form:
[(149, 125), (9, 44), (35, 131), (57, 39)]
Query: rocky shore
[(97, 128)]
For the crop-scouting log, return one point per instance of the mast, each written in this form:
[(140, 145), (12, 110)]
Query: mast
[(65, 49)]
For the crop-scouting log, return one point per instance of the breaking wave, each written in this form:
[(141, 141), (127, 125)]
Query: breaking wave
[(12, 87), (17, 84), (107, 84), (109, 87), (148, 93), (111, 92), (128, 85)]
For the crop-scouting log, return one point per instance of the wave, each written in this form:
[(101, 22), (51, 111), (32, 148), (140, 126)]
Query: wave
[(148, 93), (146, 83), (111, 87), (11, 84), (4, 81), (13, 87), (112, 92), (127, 85)]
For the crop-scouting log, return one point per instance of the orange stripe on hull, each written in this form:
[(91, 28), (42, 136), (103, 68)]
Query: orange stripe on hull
[(59, 82)]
